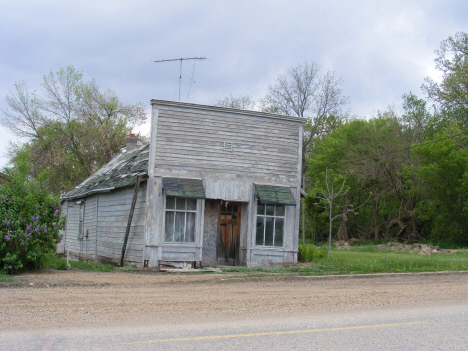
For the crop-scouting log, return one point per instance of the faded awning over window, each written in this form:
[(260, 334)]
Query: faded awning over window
[(275, 195), (181, 187)]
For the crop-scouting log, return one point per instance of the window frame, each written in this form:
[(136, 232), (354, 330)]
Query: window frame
[(175, 210), (274, 216)]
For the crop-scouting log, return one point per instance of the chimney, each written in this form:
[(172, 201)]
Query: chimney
[(131, 142)]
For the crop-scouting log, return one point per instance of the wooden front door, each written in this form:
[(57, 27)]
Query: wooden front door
[(229, 234)]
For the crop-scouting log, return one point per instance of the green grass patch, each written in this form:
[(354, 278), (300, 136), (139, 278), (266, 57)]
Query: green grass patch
[(52, 261), (7, 278), (310, 253), (368, 259), (55, 262)]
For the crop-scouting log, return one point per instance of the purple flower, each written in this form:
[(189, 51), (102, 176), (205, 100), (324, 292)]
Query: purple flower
[(45, 230), (10, 267), (37, 228), (54, 224), (27, 235), (59, 240), (6, 237), (29, 227), (7, 222), (56, 212), (22, 243)]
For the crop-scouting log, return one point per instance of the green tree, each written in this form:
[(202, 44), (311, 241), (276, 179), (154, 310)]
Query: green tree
[(451, 95), (442, 180), (73, 128)]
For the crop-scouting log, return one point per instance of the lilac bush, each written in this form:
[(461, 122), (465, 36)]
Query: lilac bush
[(30, 220)]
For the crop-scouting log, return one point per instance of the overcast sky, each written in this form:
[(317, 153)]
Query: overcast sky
[(381, 49)]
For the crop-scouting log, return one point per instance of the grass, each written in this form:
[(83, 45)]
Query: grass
[(358, 259), (7, 278), (367, 259), (54, 262)]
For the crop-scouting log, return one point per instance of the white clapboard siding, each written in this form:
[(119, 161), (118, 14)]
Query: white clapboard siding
[(191, 142)]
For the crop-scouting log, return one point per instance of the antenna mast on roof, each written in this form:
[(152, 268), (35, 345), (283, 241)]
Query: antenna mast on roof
[(180, 71)]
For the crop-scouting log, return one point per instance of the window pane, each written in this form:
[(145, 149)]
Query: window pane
[(170, 203), (270, 210), (269, 231), (229, 209), (260, 209), (280, 210), (234, 209), (190, 228), (179, 226), (279, 229), (260, 229), (180, 204), (192, 204), (169, 227), (234, 215)]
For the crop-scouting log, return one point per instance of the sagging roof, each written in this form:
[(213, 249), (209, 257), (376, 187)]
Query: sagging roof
[(122, 171)]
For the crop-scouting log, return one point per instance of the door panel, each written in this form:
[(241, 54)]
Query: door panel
[(229, 234)]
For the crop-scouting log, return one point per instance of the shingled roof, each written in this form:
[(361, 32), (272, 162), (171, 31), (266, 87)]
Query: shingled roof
[(122, 171)]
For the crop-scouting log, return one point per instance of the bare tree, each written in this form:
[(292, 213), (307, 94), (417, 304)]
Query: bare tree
[(328, 194), (23, 115), (303, 92), (241, 103)]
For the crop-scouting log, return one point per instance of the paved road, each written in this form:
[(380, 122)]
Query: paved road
[(423, 328)]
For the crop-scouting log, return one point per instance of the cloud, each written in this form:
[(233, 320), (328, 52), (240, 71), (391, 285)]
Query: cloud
[(381, 49)]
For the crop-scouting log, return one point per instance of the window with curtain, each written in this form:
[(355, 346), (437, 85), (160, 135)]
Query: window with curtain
[(180, 220)]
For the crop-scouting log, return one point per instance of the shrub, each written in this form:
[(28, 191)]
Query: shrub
[(309, 253), (30, 220)]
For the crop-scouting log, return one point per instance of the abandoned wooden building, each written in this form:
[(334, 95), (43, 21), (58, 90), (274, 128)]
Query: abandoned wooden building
[(215, 186)]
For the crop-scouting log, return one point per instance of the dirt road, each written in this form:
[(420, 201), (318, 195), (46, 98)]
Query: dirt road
[(65, 299)]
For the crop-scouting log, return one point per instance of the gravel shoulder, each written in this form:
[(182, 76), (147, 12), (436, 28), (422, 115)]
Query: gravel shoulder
[(74, 299)]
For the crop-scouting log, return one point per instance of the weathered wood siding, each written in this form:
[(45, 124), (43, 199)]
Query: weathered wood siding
[(229, 150), (113, 211), (190, 142), (105, 218)]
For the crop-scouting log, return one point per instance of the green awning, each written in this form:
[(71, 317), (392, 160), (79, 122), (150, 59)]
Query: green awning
[(275, 195), (181, 187)]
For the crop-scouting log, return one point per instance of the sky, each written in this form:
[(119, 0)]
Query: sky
[(381, 49)]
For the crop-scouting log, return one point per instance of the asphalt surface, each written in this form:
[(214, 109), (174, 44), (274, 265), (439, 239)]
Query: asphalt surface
[(99, 311), (428, 328)]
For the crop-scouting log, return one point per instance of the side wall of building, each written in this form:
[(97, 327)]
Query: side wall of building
[(105, 220)]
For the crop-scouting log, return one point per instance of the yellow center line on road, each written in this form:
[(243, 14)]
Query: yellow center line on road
[(271, 333)]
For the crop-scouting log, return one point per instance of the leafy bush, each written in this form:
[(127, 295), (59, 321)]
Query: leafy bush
[(30, 220), (310, 253)]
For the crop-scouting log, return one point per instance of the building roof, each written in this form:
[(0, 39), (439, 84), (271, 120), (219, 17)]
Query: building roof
[(122, 171)]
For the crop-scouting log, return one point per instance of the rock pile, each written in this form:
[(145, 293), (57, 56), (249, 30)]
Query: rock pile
[(396, 246)]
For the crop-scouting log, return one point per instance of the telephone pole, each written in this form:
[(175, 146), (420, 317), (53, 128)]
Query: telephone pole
[(180, 70)]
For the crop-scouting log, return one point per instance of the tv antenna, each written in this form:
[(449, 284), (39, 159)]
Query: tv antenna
[(180, 70)]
